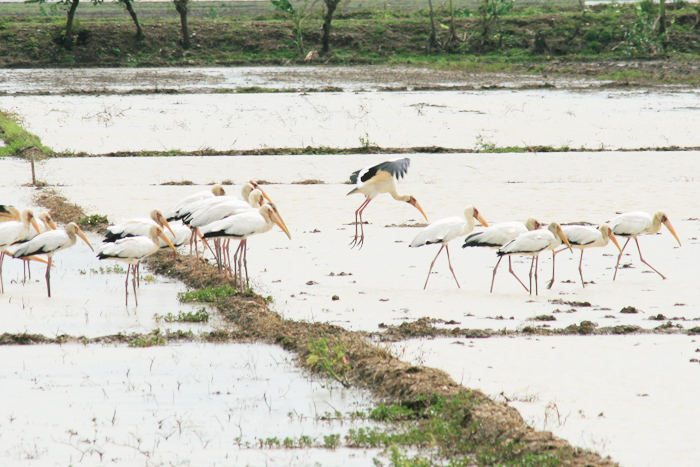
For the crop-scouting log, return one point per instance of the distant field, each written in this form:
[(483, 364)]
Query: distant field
[(215, 9)]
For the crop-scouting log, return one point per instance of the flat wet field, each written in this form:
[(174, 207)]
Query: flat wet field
[(571, 380)]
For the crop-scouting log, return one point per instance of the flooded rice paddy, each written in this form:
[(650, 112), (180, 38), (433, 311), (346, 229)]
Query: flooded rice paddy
[(606, 393)]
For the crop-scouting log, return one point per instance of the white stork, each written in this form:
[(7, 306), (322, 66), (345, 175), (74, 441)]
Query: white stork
[(49, 243), (444, 231), (212, 210), (173, 213), (12, 231), (498, 235), (178, 235), (137, 227), (373, 181), (132, 250), (47, 221), (243, 225), (633, 224), (534, 242), (582, 237)]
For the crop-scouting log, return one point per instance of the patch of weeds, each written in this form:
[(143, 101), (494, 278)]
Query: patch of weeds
[(178, 183), (332, 361), (543, 318), (93, 222), (210, 294), (148, 340), (392, 413), (629, 310), (116, 269), (199, 316), (331, 441)]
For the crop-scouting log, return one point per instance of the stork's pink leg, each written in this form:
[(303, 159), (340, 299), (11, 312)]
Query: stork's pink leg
[(48, 276), (620, 256), (359, 239), (510, 268), (431, 266), (447, 249), (640, 257)]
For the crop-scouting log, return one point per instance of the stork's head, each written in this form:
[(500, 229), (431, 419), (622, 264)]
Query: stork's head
[(73, 227), (607, 232), (412, 201), (218, 190), (663, 219), (555, 228), (478, 217), (160, 219), (532, 224)]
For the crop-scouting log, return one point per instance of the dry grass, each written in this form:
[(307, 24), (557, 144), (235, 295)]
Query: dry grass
[(61, 210)]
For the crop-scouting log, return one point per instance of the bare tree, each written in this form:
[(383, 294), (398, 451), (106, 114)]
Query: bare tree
[(183, 7), (130, 8), (331, 5)]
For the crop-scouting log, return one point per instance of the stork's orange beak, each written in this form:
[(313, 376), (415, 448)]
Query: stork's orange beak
[(564, 239), (255, 185), (79, 232), (481, 220), (165, 223), (670, 228), (34, 223), (277, 219), (611, 235), (413, 202), (167, 241)]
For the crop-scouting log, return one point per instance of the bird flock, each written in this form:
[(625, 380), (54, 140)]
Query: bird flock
[(208, 214), (213, 215)]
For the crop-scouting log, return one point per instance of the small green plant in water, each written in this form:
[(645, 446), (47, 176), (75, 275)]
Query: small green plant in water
[(92, 221), (210, 294), (200, 316), (332, 361), (148, 340)]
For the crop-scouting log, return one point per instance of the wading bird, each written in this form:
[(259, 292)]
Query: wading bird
[(241, 226), (132, 250), (498, 235), (533, 243), (47, 221), (137, 227), (582, 237), (49, 243), (174, 212), (372, 181), (444, 231), (12, 231), (633, 224)]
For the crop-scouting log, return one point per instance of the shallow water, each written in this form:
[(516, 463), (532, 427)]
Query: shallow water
[(85, 405), (382, 282), (630, 397), (451, 119)]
